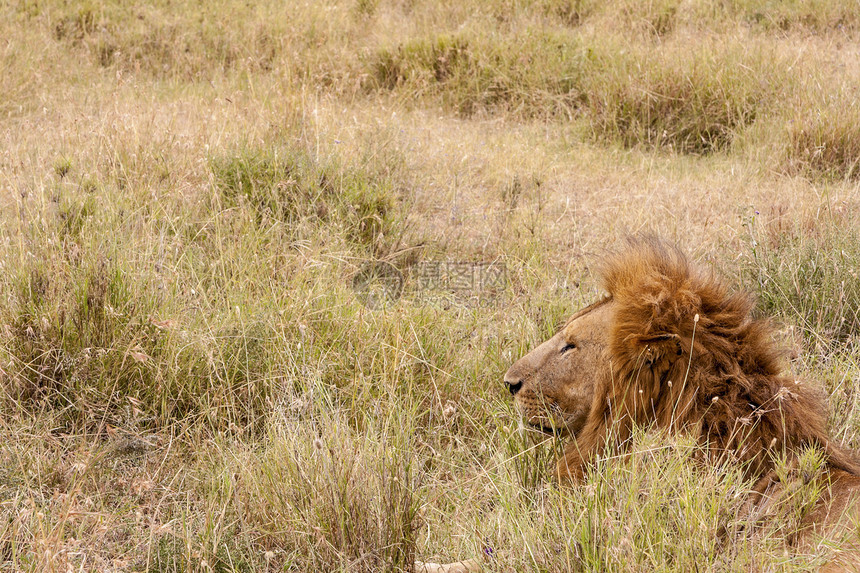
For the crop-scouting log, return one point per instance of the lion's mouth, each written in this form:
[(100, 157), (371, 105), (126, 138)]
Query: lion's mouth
[(549, 428), (568, 427), (550, 431)]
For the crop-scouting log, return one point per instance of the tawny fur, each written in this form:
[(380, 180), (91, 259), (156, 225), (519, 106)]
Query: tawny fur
[(688, 355), (672, 348)]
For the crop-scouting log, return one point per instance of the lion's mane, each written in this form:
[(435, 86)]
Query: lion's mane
[(688, 355)]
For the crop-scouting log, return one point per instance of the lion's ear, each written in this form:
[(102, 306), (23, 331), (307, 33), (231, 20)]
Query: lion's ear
[(654, 347)]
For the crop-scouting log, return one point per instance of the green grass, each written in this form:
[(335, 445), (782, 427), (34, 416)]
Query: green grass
[(807, 276), (194, 375), (295, 189), (689, 101), (658, 96), (817, 16), (823, 144)]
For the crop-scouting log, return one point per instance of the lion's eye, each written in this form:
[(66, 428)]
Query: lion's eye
[(568, 346)]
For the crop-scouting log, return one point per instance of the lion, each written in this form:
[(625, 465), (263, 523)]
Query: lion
[(672, 348)]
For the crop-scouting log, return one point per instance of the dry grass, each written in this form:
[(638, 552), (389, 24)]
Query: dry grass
[(191, 193), (824, 143)]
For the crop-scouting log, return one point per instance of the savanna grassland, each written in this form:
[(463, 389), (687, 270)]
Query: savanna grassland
[(200, 370)]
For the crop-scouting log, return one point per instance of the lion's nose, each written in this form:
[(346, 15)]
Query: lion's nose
[(514, 387)]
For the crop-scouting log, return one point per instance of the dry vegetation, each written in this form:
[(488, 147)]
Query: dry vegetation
[(191, 191)]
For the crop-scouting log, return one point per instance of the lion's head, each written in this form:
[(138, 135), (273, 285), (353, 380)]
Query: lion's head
[(669, 347), (554, 384)]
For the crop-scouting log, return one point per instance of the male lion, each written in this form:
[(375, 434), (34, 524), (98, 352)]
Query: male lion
[(670, 347)]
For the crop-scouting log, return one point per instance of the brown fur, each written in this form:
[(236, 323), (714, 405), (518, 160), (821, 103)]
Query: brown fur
[(686, 354), (672, 348)]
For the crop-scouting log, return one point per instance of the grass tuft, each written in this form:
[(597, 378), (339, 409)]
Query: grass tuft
[(297, 190), (691, 101), (808, 276), (816, 15), (823, 140), (349, 504), (475, 74)]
